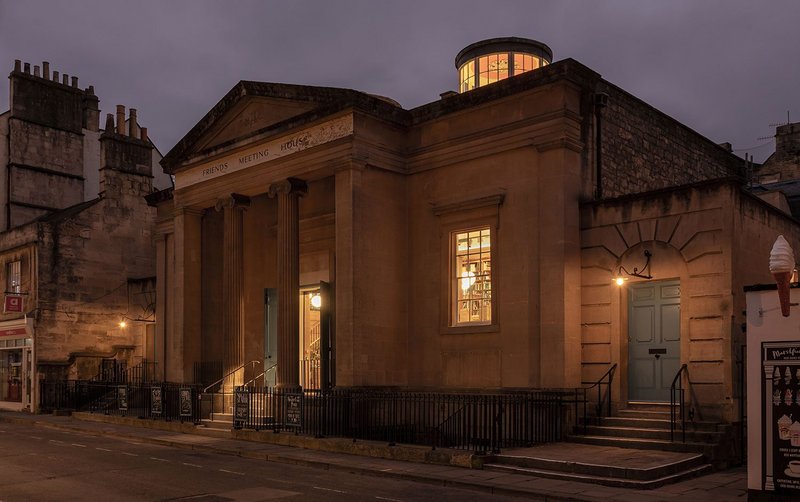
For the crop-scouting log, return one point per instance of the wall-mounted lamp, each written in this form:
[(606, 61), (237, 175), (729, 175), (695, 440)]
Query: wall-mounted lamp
[(122, 324), (644, 273), (316, 300)]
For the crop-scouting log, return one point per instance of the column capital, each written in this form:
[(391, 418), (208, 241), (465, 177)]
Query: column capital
[(288, 186), (233, 201)]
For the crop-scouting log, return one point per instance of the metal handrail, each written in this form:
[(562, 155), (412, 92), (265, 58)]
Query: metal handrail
[(274, 365), (599, 383), (677, 387), (253, 362)]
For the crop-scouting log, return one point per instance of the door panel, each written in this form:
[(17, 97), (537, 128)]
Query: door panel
[(643, 323), (653, 339)]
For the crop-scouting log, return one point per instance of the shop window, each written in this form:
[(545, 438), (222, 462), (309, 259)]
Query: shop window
[(13, 276), (471, 279)]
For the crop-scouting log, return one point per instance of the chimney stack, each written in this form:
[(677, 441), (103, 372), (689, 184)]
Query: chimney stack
[(55, 76), (121, 119), (143, 134), (27, 68), (45, 70), (109, 122), (17, 65), (133, 126), (75, 82), (36, 70)]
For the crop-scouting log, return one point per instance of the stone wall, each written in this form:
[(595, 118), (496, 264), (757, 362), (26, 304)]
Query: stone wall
[(85, 262), (643, 149)]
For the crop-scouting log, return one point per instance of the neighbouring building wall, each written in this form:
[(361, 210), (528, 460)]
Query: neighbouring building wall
[(89, 256), (643, 149), (784, 164), (45, 163), (757, 224), (3, 162)]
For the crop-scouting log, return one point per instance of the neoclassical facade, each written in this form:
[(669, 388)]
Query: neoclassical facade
[(328, 237)]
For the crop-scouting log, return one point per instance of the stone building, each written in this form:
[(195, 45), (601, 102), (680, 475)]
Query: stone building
[(469, 243), (76, 252)]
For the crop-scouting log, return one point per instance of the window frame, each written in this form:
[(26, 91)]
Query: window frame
[(481, 277), (458, 217), (10, 266)]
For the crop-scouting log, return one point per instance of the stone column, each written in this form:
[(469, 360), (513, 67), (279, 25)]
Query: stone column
[(288, 193), (233, 289), (183, 342)]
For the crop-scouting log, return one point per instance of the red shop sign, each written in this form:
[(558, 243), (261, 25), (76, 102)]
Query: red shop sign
[(13, 303)]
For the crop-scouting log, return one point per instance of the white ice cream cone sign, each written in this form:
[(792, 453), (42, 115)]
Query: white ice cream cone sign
[(781, 264)]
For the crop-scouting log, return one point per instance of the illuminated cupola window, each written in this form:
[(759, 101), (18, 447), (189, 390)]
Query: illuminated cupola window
[(488, 61)]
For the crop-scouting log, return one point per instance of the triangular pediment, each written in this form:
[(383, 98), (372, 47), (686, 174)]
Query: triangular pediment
[(255, 108), (250, 115)]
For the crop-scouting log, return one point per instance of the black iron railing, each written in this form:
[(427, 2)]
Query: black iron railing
[(677, 408), (115, 371), (603, 404), (159, 401), (481, 423)]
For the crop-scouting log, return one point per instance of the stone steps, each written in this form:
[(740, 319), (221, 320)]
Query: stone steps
[(595, 471), (646, 426), (657, 433)]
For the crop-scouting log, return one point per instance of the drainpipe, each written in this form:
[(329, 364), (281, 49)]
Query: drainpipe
[(600, 102)]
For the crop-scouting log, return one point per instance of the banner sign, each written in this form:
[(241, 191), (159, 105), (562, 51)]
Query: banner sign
[(241, 407), (185, 401), (156, 402), (294, 409), (122, 397)]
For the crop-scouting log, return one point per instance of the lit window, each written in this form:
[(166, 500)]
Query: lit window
[(13, 276), (472, 277), (468, 76)]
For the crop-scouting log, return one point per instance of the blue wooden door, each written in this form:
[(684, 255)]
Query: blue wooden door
[(654, 339)]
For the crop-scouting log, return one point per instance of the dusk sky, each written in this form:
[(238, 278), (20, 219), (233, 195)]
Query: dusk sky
[(727, 69)]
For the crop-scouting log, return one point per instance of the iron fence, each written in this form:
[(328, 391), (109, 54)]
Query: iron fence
[(481, 423), (159, 401)]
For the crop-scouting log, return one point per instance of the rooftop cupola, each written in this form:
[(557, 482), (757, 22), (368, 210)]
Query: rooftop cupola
[(488, 61)]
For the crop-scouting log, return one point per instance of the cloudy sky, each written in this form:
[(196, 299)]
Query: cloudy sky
[(727, 69)]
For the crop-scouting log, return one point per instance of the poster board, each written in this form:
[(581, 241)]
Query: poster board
[(780, 404)]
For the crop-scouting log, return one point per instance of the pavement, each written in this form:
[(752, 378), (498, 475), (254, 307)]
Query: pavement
[(440, 468)]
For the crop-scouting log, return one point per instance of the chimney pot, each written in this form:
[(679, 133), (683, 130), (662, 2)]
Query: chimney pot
[(55, 76), (36, 70), (46, 70), (75, 82), (109, 122), (143, 134), (65, 79), (27, 68), (120, 119), (91, 90), (133, 126), (17, 65)]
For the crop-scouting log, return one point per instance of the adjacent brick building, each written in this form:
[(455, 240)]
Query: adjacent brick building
[(76, 246)]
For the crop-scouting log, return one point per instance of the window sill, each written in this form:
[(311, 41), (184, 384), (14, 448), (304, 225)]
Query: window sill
[(470, 329)]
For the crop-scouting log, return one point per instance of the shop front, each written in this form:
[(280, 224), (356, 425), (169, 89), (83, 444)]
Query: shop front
[(16, 364)]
